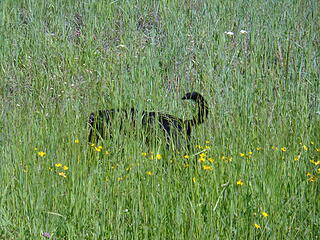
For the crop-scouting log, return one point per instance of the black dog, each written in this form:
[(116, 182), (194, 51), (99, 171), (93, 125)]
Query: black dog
[(171, 126)]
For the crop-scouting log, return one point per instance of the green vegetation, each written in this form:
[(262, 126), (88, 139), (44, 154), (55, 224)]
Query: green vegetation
[(253, 172)]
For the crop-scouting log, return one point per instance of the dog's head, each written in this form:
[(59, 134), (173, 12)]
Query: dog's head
[(193, 96)]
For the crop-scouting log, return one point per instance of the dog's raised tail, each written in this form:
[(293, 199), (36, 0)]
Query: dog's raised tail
[(202, 105)]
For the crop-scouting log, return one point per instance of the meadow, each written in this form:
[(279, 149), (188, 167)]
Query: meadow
[(253, 170)]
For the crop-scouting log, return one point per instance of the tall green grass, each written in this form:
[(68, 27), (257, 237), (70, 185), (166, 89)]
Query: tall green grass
[(61, 60)]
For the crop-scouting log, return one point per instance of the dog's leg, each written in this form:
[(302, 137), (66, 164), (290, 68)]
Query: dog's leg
[(91, 124)]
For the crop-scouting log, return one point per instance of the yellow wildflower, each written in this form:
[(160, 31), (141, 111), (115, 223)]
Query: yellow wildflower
[(194, 179), (264, 214), (305, 147), (41, 154), (249, 153), (259, 148), (144, 154), (207, 168), (62, 174), (315, 162), (211, 160), (98, 149), (283, 149), (241, 154), (240, 182), (319, 170), (312, 178), (65, 167), (76, 141), (257, 226), (309, 174), (207, 142), (206, 147), (297, 158), (226, 159), (202, 155), (186, 156), (58, 165), (158, 156), (149, 173), (201, 160)]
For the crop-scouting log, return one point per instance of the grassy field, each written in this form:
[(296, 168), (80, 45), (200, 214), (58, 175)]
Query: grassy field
[(254, 168)]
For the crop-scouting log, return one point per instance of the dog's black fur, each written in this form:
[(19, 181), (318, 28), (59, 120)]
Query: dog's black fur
[(171, 125)]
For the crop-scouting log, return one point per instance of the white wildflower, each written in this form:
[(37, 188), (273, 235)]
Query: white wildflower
[(243, 31), (229, 33)]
